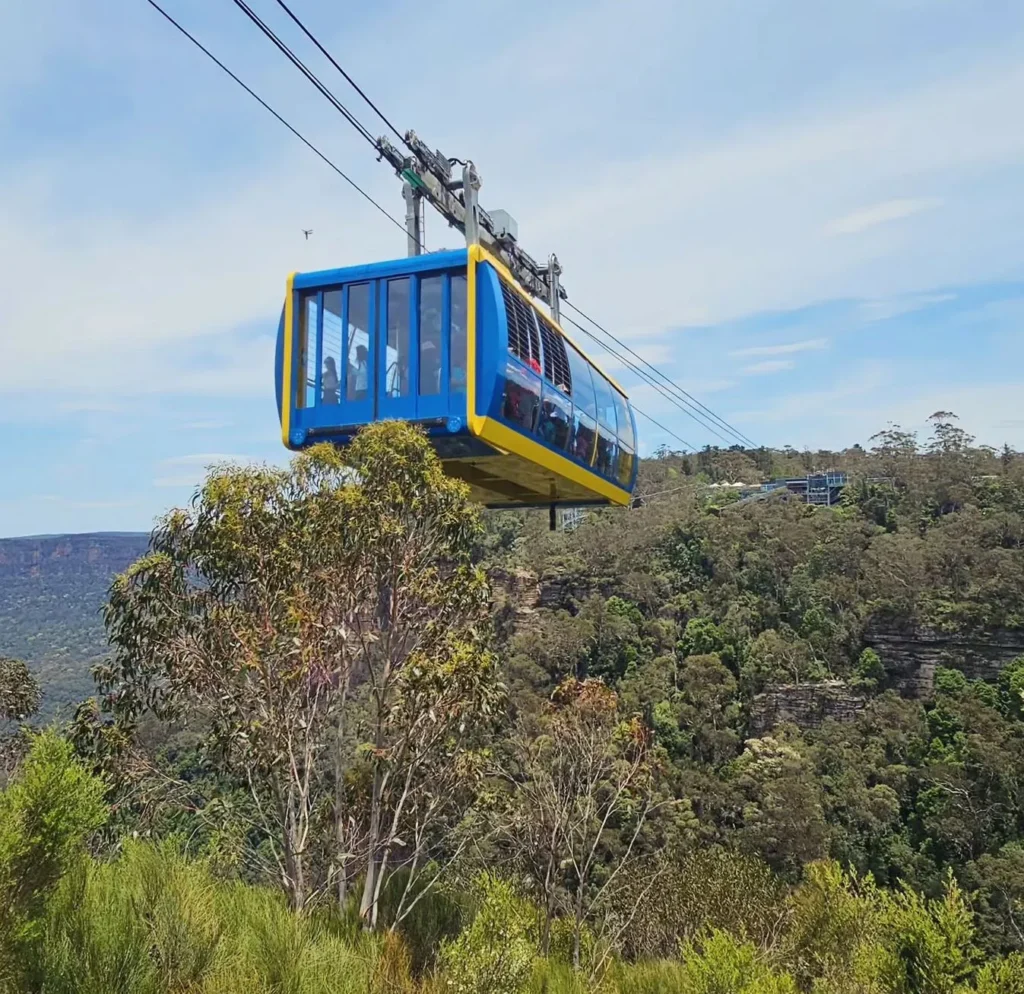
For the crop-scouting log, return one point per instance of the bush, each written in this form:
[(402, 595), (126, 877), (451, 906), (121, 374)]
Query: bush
[(46, 814), (721, 964), (495, 954)]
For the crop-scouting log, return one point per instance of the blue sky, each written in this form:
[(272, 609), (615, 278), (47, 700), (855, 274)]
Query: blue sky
[(810, 215)]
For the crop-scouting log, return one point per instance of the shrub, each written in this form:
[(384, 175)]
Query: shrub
[(46, 814), (721, 964), (495, 954)]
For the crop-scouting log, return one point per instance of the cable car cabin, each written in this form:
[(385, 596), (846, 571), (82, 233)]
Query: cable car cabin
[(449, 341)]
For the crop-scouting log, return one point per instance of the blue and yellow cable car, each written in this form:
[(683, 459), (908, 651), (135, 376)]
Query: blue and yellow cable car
[(449, 341)]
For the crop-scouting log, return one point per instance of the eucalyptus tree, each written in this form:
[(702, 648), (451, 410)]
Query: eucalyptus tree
[(322, 621)]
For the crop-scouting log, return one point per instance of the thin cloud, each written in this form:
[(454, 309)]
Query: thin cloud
[(876, 214), (768, 366), (811, 345), (882, 310)]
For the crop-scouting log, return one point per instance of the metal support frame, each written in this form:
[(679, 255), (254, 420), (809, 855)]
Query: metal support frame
[(554, 288), (413, 217), (429, 174)]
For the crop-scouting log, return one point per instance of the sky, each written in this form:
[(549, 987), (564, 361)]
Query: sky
[(811, 216)]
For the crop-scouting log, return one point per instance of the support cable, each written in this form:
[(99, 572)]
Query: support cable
[(306, 71), (647, 379), (305, 141), (355, 86), (738, 435)]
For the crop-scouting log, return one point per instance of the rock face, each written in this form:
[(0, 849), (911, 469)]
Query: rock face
[(911, 655), (805, 705)]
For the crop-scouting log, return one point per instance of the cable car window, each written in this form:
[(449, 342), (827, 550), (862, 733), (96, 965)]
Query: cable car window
[(431, 296), (308, 307), (626, 459), (523, 337), (625, 422), (555, 419), (606, 461), (605, 401), (556, 362), (583, 434), (522, 397), (358, 362), (458, 340), (330, 383), (396, 381), (582, 382)]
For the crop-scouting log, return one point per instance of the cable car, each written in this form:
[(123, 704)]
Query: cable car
[(450, 341)]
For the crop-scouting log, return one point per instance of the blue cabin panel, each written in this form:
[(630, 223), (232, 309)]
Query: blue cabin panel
[(392, 340)]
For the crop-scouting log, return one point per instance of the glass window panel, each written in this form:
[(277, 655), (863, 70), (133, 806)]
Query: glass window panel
[(330, 381), (306, 394), (522, 397), (396, 377), (625, 422), (583, 434), (606, 462), (555, 422), (458, 340), (605, 402), (358, 362), (431, 293), (626, 459), (582, 382)]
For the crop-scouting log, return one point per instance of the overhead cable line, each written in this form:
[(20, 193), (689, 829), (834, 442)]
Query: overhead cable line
[(743, 439), (645, 378), (355, 86), (306, 71), (305, 141), (658, 424)]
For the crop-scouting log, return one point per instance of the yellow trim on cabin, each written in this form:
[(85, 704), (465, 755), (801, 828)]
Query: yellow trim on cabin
[(474, 255), (501, 436), (287, 394), (504, 271), (495, 433)]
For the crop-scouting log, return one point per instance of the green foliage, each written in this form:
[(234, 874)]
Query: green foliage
[(19, 691), (719, 963), (305, 689), (869, 673), (494, 955), (46, 815)]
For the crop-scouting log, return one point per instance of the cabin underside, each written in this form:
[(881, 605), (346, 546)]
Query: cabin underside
[(505, 479)]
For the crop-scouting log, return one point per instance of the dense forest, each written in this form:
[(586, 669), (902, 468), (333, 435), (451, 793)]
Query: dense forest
[(352, 735)]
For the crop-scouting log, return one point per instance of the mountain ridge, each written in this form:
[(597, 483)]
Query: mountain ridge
[(52, 591)]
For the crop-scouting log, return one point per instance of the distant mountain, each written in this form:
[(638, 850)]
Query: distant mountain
[(52, 590)]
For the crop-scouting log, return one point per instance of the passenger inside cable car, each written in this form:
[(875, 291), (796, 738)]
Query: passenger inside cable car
[(449, 341)]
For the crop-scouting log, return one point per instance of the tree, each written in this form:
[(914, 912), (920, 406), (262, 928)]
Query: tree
[(19, 691), (778, 657), (19, 700), (296, 613), (581, 792)]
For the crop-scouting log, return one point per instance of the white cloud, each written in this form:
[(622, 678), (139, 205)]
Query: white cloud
[(768, 366), (810, 345), (870, 217), (882, 310)]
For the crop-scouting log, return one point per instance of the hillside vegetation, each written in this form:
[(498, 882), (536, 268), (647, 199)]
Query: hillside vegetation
[(348, 737), (52, 591)]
